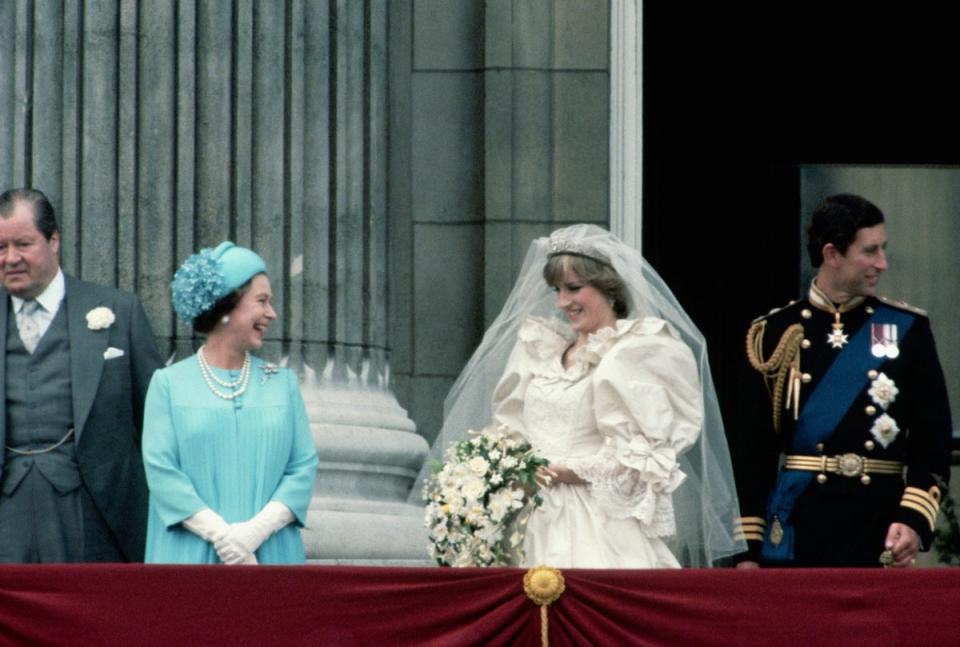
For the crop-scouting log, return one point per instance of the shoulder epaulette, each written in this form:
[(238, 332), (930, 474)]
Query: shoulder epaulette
[(773, 312), (903, 305)]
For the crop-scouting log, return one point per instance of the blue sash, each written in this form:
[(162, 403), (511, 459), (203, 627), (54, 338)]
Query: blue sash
[(822, 412)]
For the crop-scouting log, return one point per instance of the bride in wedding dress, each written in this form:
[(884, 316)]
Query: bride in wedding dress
[(616, 393)]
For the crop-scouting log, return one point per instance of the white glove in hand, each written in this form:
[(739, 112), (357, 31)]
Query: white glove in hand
[(230, 551), (252, 533), (210, 526), (207, 525)]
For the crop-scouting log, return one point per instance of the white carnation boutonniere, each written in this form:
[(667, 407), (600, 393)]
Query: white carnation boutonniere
[(885, 430), (883, 391), (100, 318)]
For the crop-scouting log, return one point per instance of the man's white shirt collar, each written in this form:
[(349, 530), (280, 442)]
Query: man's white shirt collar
[(50, 298)]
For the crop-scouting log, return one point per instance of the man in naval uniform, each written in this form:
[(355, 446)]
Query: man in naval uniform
[(850, 395), (76, 362)]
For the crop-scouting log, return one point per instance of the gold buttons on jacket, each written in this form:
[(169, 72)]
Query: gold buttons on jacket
[(820, 447), (821, 478), (872, 374), (869, 445), (805, 344), (805, 378), (865, 479), (870, 410), (805, 313), (869, 310)]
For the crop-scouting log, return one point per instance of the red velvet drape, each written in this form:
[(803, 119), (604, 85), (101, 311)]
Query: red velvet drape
[(330, 605)]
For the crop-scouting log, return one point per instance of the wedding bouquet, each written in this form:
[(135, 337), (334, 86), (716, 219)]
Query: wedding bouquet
[(486, 488)]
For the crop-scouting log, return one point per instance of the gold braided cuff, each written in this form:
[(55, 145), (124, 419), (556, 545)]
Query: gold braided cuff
[(926, 502), (749, 528)]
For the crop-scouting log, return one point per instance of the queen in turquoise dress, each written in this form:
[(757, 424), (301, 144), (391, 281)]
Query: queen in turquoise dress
[(227, 448)]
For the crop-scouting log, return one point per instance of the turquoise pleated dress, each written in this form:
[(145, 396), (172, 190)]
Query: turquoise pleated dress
[(232, 456)]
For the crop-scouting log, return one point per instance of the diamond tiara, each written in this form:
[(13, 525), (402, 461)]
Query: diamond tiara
[(557, 246)]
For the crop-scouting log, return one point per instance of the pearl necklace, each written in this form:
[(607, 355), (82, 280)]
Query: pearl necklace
[(238, 386)]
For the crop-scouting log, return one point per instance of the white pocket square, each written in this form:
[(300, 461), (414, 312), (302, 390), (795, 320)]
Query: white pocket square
[(112, 353)]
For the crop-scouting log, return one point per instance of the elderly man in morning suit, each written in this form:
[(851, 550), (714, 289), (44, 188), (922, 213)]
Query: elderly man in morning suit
[(76, 361)]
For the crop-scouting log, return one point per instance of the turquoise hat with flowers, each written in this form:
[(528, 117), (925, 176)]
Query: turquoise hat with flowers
[(211, 274)]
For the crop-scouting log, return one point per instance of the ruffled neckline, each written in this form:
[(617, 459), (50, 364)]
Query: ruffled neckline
[(547, 339), (601, 341)]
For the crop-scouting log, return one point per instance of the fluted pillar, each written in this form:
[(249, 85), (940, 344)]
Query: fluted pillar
[(168, 127), (368, 446)]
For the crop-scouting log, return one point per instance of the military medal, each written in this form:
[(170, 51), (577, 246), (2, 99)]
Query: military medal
[(883, 341), (837, 339)]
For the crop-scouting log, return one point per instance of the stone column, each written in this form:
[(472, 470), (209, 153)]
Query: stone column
[(626, 120), (368, 447)]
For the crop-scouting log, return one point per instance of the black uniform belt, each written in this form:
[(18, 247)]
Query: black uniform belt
[(45, 450), (851, 465)]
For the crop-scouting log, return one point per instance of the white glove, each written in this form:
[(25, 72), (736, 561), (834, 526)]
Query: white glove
[(207, 525), (252, 533), (210, 526), (230, 551)]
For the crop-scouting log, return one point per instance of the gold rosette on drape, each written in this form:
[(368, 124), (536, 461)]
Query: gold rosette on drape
[(543, 585)]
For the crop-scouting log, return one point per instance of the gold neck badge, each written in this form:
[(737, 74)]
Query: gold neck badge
[(837, 338)]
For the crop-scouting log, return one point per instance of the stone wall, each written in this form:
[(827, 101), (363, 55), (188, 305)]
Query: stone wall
[(499, 134)]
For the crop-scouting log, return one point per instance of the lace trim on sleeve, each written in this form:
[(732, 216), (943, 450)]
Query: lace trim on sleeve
[(634, 478)]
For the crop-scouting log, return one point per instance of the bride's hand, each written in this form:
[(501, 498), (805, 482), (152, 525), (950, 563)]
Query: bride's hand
[(556, 473), (545, 476)]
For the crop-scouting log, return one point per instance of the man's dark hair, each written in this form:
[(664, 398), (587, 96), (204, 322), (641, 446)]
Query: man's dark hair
[(43, 216), (837, 219)]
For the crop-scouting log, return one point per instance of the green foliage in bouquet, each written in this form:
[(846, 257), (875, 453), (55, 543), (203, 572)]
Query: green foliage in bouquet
[(478, 500), (946, 536)]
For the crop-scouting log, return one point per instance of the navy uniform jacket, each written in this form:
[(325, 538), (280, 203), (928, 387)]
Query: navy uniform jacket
[(841, 520)]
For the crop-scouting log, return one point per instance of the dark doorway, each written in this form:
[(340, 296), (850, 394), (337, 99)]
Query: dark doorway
[(735, 101)]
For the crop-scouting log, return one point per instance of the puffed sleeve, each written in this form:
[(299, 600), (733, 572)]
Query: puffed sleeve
[(171, 491), (648, 407), (508, 396), (537, 341), (296, 486)]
